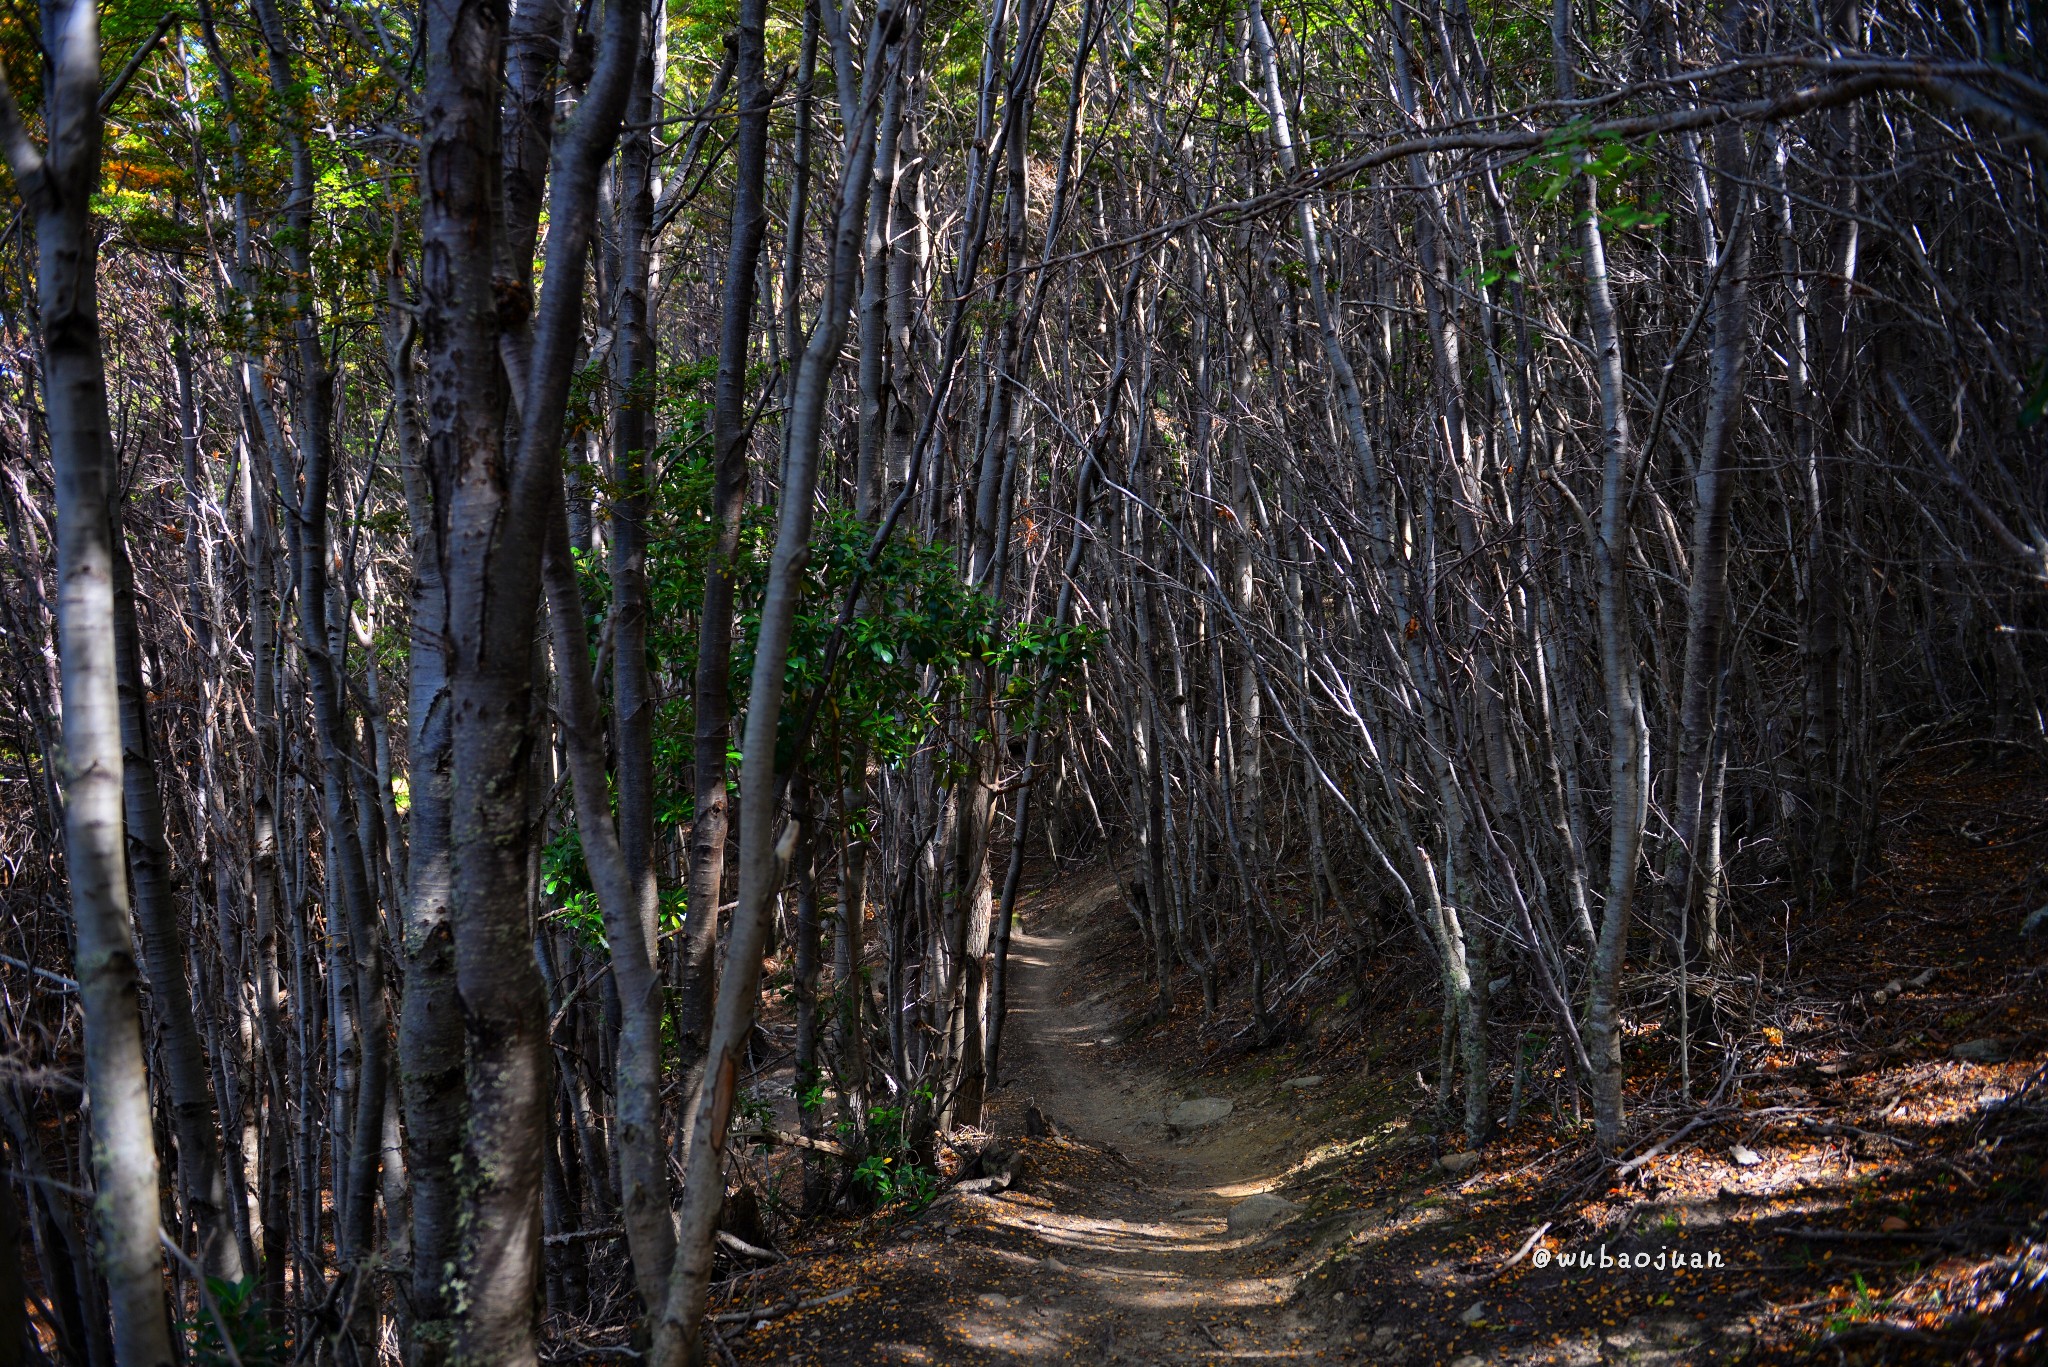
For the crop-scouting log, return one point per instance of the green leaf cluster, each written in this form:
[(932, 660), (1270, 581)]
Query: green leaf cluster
[(239, 1320), (919, 636), (891, 1171), (1605, 158)]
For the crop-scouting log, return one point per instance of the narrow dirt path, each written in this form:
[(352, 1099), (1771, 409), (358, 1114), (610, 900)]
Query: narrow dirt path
[(1155, 1272), (1117, 1245), (1871, 1190)]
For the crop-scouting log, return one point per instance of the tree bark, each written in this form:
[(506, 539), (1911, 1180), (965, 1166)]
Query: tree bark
[(350, 884), (1628, 758), (57, 185), (430, 1034), (1707, 595), (729, 430), (495, 498), (642, 1158), (193, 1114), (633, 928)]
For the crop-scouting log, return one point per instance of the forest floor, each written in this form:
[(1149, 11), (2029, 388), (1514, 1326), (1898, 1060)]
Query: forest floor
[(1869, 1183)]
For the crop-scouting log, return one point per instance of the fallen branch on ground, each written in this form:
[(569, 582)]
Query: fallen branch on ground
[(745, 1249), (1704, 1119), (794, 1141), (1523, 1251)]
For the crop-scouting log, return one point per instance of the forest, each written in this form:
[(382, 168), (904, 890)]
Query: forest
[(659, 661)]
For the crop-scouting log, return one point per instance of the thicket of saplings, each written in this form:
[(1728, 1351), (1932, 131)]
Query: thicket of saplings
[(535, 533)]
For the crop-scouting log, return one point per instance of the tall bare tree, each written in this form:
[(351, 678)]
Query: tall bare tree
[(57, 182)]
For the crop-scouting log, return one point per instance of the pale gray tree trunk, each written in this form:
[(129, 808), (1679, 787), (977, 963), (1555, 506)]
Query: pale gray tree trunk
[(1628, 756), (1467, 941), (350, 884), (1707, 595), (642, 1158), (632, 901), (56, 186), (1628, 739), (430, 1038), (214, 1195), (876, 371)]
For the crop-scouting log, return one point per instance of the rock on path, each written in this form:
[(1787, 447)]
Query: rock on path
[(1258, 1212), (1202, 1111)]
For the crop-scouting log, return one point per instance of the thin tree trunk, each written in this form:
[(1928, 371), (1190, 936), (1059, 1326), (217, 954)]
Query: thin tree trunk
[(348, 876), (709, 830), (56, 186), (642, 1158), (1707, 594), (633, 902), (1628, 758), (200, 1175), (430, 1035)]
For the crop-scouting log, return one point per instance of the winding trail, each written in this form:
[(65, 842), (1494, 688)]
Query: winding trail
[(1866, 1147), (1116, 1245), (1155, 1274)]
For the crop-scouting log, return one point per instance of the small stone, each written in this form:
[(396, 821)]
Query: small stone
[(1474, 1313), (1384, 1335), (1052, 1265), (1203, 1110), (1893, 1224), (1455, 1163), (994, 1300), (1469, 1360), (1745, 1156), (1981, 1051), (1257, 1212), (1302, 1084)]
